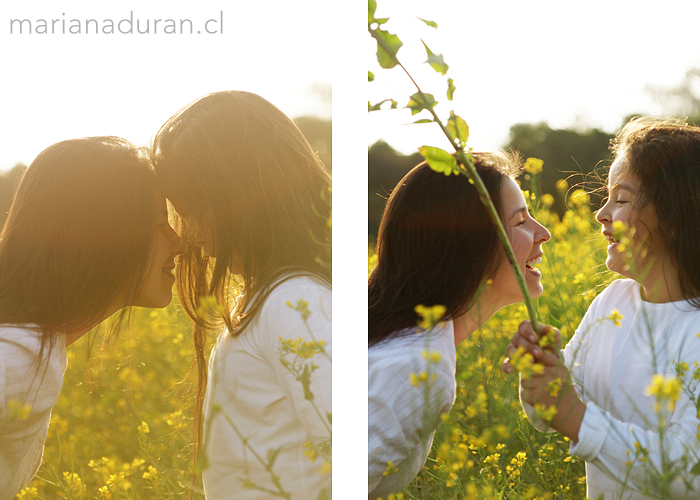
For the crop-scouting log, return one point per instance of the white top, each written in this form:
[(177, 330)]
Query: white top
[(25, 381), (404, 408), (262, 402), (611, 367)]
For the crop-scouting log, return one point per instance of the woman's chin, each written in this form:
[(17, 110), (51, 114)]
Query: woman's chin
[(536, 290)]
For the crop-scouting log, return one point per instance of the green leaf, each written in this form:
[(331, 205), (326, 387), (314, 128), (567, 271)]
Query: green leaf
[(450, 88), (370, 76), (458, 128), (436, 61), (696, 469), (305, 379), (388, 46), (272, 456), (202, 463), (378, 106), (432, 24), (420, 101), (439, 160), (423, 120)]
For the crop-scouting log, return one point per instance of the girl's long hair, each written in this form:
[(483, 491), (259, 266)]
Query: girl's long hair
[(250, 174), (664, 154), (78, 237), (436, 244)]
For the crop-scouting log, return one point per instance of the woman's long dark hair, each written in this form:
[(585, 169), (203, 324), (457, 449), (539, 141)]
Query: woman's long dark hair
[(436, 244), (78, 237)]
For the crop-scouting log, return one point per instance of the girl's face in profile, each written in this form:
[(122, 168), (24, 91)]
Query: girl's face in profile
[(526, 236), (624, 224), (157, 289), (198, 232)]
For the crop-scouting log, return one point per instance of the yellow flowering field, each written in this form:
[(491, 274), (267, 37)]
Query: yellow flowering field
[(122, 425), (486, 448)]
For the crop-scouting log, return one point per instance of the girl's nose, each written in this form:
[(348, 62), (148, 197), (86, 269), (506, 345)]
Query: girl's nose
[(602, 215)]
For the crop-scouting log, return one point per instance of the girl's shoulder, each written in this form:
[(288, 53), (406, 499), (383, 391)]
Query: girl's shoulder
[(304, 295), (618, 293), (291, 285)]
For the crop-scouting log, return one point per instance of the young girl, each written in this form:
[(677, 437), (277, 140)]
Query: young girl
[(436, 247), (630, 418), (255, 201), (87, 236)]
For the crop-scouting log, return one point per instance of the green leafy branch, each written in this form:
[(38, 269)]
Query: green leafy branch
[(455, 129)]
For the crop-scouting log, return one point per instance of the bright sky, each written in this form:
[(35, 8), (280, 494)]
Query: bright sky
[(61, 86), (567, 64)]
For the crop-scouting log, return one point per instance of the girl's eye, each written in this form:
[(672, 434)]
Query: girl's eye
[(521, 222), (621, 202)]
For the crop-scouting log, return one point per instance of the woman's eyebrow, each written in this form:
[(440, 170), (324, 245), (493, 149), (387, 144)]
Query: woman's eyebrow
[(522, 210)]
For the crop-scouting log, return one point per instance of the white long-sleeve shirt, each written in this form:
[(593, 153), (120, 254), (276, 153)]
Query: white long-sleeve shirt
[(403, 408), (251, 392), (25, 383), (611, 367)]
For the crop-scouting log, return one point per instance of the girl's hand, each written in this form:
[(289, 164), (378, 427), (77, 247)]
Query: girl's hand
[(545, 350), (553, 394)]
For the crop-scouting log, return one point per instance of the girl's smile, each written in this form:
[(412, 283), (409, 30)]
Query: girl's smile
[(645, 260)]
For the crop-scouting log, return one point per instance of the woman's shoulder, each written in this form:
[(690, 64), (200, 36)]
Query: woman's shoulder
[(413, 347), (28, 371), (20, 338)]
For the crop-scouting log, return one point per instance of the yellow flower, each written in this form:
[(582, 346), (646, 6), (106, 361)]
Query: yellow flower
[(616, 317), (390, 469), (533, 166), (579, 197), (430, 316), (144, 427), (546, 413), (524, 363), (547, 200), (665, 390), (561, 185), (431, 356), (310, 451), (151, 473), (19, 410), (554, 386)]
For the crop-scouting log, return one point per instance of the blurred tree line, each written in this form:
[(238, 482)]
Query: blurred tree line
[(318, 132), (576, 155), (567, 154)]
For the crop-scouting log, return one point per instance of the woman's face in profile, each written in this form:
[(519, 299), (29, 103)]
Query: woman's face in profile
[(526, 236), (157, 288)]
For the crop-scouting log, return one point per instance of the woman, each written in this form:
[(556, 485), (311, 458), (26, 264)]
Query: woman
[(255, 203), (436, 247), (86, 237), (638, 438)]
